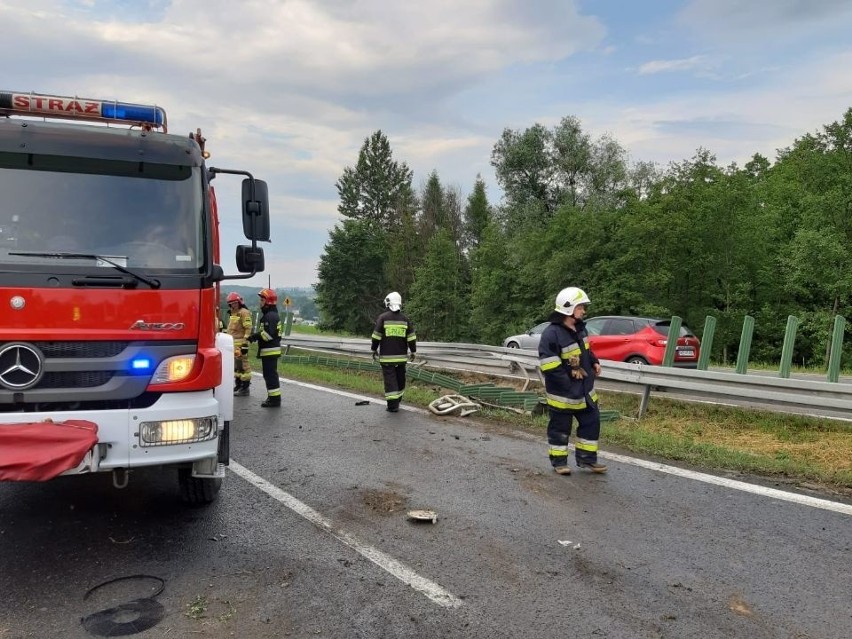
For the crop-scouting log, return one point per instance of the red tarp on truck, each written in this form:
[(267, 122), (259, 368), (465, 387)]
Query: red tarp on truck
[(38, 451)]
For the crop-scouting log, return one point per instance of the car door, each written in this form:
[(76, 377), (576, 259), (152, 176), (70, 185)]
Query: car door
[(613, 337), (533, 336)]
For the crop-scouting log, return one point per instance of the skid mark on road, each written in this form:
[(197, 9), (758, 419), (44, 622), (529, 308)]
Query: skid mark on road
[(384, 561), (734, 484)]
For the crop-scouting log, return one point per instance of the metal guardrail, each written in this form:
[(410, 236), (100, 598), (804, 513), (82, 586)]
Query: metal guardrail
[(523, 365)]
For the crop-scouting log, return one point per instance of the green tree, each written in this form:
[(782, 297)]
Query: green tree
[(352, 277), (439, 298), (524, 168), (405, 247), (549, 168), (372, 190), (493, 282), (477, 214)]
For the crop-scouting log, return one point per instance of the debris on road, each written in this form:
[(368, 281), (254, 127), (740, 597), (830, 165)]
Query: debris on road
[(449, 404), (423, 515)]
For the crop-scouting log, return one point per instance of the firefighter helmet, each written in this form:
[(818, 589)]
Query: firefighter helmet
[(234, 297), (393, 301), (569, 298), (268, 296)]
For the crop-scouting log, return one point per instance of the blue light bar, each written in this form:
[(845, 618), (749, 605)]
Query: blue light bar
[(133, 112), (141, 364), (54, 106)]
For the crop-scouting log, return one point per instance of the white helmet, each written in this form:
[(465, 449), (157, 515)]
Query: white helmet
[(393, 301), (569, 298)]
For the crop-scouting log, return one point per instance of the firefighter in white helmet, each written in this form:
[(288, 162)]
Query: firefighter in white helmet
[(392, 340), (570, 367)]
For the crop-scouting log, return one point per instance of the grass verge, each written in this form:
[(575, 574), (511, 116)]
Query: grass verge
[(785, 448)]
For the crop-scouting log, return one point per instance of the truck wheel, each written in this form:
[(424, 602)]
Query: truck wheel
[(197, 491)]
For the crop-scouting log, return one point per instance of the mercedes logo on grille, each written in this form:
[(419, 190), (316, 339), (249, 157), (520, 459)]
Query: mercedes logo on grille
[(21, 366)]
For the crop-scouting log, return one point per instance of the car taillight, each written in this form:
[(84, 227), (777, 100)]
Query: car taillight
[(658, 342)]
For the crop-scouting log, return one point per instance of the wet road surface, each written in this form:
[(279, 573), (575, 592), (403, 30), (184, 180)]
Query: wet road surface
[(309, 538)]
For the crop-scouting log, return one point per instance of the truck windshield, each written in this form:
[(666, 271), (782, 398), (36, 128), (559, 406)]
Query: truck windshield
[(146, 216)]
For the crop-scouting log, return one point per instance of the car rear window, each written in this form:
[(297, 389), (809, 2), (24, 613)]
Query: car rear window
[(663, 326)]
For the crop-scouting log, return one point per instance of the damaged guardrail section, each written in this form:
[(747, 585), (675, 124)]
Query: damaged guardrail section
[(523, 365)]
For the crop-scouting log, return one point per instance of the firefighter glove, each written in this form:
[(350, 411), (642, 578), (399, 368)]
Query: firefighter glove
[(253, 337), (577, 371), (375, 356), (411, 357)]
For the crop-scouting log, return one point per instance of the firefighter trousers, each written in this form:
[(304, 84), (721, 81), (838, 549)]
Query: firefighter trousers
[(586, 441), (242, 367), (270, 376), (393, 376)]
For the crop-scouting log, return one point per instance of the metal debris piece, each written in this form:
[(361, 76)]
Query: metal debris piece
[(423, 515), (449, 404)]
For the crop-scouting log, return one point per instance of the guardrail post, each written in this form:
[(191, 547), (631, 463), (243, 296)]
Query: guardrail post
[(288, 324), (643, 403), (745, 345), (787, 349), (836, 348), (671, 341), (707, 342)]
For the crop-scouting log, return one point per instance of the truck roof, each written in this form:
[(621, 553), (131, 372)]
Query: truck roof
[(18, 135)]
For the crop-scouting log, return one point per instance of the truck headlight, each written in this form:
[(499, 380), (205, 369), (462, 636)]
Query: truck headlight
[(177, 431), (173, 369)]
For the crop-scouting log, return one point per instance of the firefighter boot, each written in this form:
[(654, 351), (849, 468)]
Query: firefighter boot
[(243, 390), (238, 383), (595, 467), (272, 402)]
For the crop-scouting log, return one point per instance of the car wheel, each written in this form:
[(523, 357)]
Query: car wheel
[(636, 359), (513, 345)]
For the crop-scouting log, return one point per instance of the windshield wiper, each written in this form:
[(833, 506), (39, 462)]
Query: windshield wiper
[(153, 283)]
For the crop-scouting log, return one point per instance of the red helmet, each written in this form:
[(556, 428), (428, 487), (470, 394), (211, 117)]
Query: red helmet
[(268, 295), (234, 297)]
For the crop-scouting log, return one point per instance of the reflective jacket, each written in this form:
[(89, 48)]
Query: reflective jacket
[(239, 326), (393, 336), (557, 346), (268, 334)]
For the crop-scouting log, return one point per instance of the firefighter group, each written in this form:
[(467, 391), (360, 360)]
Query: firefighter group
[(566, 361), (267, 334)]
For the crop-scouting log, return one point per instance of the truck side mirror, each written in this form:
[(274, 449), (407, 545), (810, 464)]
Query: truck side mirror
[(250, 259), (256, 210)]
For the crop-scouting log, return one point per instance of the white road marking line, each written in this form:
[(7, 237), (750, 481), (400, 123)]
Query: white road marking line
[(774, 493), (764, 491), (387, 563)]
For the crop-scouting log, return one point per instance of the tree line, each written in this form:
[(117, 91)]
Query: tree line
[(767, 239)]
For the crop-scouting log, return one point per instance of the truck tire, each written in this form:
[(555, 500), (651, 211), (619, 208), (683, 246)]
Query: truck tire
[(197, 491)]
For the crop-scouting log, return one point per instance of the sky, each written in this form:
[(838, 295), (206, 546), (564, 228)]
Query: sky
[(290, 89)]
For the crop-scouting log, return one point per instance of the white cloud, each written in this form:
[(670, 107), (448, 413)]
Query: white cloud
[(288, 90), (665, 66)]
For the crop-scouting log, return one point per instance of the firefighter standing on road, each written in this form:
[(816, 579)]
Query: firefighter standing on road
[(393, 337), (268, 338), (239, 327), (570, 368)]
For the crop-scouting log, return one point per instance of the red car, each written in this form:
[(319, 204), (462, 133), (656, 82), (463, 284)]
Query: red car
[(640, 340)]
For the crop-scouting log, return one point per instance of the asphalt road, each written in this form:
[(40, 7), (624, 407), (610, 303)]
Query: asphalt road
[(310, 538)]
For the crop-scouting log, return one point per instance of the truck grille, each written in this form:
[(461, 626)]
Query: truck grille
[(74, 379), (96, 374), (81, 349)]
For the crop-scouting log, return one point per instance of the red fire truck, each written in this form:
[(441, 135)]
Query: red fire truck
[(110, 354)]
